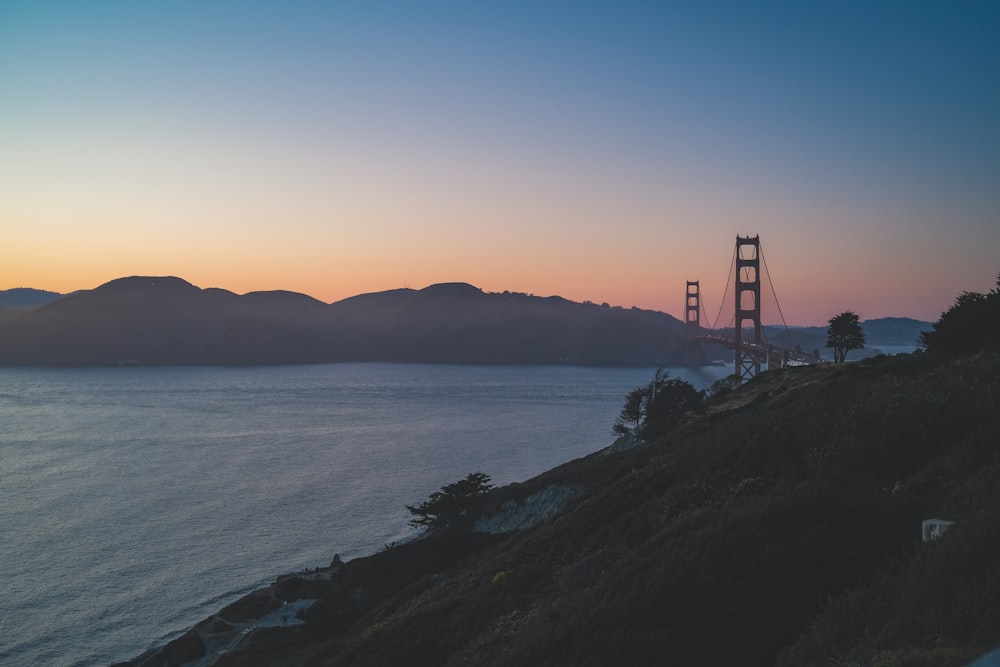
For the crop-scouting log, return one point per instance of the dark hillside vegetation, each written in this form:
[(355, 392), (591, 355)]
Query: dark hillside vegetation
[(779, 524), (720, 543), (971, 324)]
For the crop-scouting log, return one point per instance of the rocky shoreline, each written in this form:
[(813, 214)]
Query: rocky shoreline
[(274, 619), (279, 605)]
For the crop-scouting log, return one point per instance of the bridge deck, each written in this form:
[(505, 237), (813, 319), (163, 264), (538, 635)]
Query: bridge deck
[(774, 355)]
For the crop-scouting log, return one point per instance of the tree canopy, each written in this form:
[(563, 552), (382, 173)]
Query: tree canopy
[(971, 324), (655, 408), (630, 418), (845, 334), (449, 506)]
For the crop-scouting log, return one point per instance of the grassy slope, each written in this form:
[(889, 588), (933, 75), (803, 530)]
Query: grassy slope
[(783, 526)]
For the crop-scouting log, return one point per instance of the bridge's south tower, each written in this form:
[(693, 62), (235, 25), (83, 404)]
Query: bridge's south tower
[(747, 305)]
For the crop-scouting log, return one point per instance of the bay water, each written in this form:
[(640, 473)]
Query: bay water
[(135, 502)]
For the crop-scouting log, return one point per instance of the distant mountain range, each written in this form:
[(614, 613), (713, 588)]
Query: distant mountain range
[(25, 297), (169, 321), (885, 331), (166, 320)]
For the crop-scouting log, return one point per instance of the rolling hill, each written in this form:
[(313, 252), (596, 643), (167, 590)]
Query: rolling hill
[(26, 297), (166, 320), (143, 320)]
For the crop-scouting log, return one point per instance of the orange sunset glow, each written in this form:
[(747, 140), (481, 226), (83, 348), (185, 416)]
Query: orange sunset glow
[(597, 152)]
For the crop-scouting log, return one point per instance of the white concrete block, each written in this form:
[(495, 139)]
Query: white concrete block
[(932, 529)]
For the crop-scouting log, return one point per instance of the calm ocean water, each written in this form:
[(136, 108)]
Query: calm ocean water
[(136, 501)]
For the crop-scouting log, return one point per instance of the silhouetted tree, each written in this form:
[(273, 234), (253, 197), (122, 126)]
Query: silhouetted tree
[(970, 325), (672, 400), (655, 408), (630, 418), (449, 506), (845, 334)]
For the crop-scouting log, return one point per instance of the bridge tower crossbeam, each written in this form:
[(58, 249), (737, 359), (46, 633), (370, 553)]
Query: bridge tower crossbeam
[(747, 298), (693, 355)]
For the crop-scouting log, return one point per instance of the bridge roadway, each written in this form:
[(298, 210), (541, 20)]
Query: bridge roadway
[(773, 355)]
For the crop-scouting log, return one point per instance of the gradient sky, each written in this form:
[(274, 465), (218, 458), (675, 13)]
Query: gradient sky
[(600, 151)]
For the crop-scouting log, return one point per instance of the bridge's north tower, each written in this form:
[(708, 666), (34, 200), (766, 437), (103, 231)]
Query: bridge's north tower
[(747, 305), (692, 325)]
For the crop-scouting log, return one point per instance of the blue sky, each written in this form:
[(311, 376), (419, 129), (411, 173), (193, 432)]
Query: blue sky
[(601, 151)]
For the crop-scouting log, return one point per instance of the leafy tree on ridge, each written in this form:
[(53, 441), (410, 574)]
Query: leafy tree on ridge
[(845, 334), (655, 408), (449, 506), (667, 406), (630, 418), (971, 324)]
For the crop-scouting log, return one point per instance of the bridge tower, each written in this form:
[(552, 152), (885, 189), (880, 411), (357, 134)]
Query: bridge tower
[(692, 325), (747, 305)]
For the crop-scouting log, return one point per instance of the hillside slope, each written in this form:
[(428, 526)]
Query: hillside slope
[(781, 526)]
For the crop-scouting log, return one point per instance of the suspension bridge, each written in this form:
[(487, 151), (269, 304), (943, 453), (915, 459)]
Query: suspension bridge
[(745, 333)]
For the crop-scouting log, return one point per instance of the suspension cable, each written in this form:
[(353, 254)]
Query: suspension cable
[(725, 290), (774, 294), (702, 310)]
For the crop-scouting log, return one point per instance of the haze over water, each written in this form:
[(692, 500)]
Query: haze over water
[(137, 501)]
